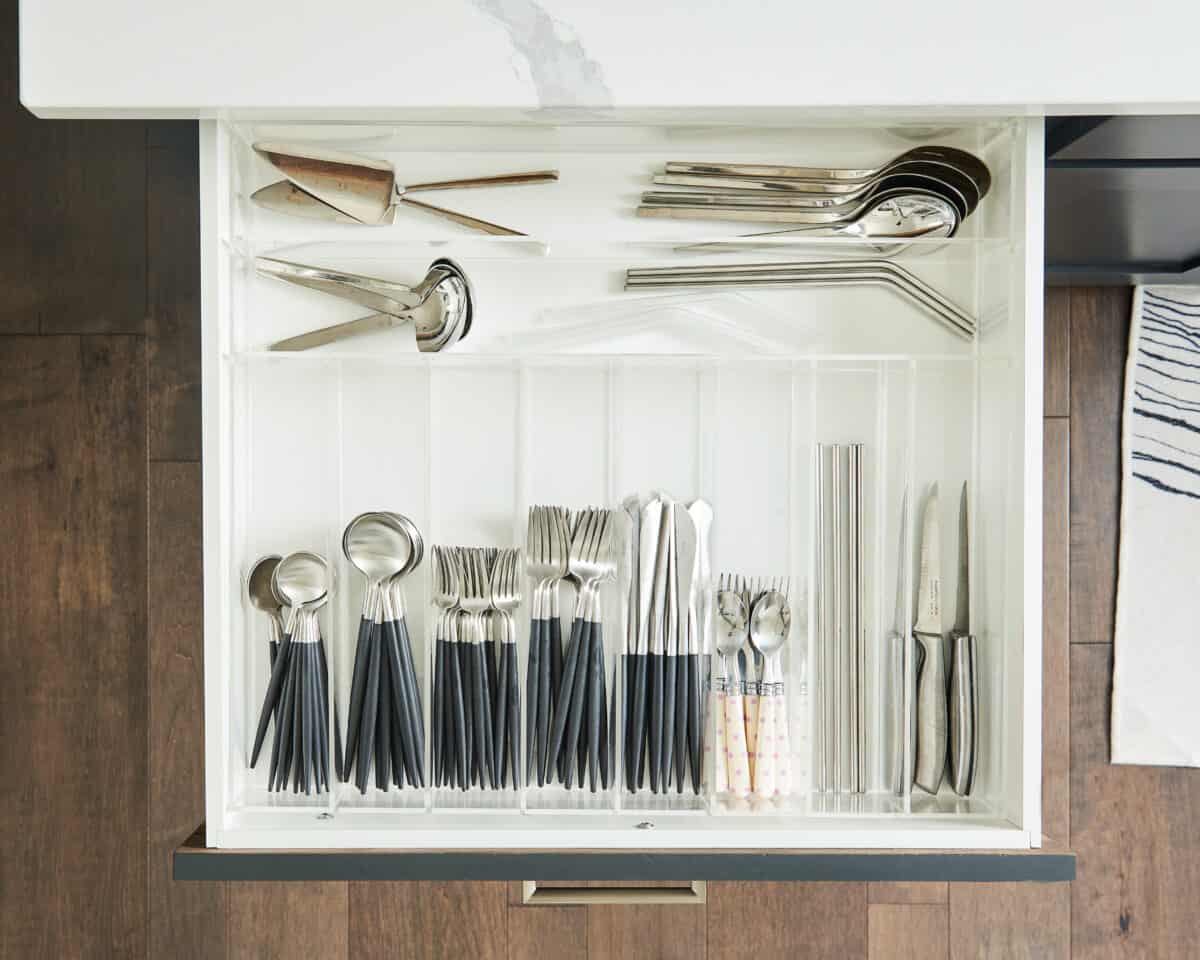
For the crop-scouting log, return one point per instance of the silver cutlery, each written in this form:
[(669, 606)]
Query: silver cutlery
[(547, 545), (731, 759), (343, 187), (591, 562), (903, 649), (799, 273), (440, 306), (299, 682), (841, 640), (770, 623), (506, 597), (931, 685), (964, 685), (968, 163), (385, 723)]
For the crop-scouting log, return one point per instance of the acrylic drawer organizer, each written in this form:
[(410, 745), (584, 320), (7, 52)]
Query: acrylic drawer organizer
[(570, 391)]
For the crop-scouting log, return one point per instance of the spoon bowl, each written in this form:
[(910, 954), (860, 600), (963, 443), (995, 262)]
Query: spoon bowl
[(731, 630), (377, 545), (303, 580), (258, 585), (770, 622)]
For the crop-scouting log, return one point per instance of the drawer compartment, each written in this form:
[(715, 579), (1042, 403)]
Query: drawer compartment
[(571, 391)]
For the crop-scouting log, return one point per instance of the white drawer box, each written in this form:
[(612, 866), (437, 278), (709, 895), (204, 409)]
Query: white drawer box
[(570, 391)]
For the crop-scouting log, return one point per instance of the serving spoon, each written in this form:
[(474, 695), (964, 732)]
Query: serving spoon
[(966, 162), (770, 623), (440, 307)]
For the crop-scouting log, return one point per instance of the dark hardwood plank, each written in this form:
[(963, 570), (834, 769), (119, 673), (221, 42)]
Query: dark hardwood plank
[(902, 931), (1002, 920), (1056, 356), (282, 920), (1136, 831), (185, 919), (426, 921), (886, 892), (1099, 335), (1056, 633), (173, 289), (787, 920), (72, 468)]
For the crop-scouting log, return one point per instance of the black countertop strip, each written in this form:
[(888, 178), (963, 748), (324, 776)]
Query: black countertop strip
[(191, 863)]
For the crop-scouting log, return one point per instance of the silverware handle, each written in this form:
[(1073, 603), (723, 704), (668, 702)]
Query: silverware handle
[(964, 714), (770, 170), (533, 702), (499, 180), (461, 218), (931, 714)]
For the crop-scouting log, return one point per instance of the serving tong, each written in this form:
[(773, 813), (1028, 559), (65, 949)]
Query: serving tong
[(342, 187)]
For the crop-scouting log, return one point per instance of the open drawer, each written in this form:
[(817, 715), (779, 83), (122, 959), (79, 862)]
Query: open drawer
[(571, 391)]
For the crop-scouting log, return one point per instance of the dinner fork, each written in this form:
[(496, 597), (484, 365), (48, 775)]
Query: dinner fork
[(476, 599), (506, 597), (450, 718), (590, 561)]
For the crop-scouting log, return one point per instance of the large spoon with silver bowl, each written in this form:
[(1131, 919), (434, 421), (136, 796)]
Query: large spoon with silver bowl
[(440, 306)]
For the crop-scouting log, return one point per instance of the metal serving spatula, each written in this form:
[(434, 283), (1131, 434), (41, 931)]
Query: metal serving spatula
[(341, 187)]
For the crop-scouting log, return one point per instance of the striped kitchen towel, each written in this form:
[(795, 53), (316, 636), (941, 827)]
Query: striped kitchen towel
[(1156, 674)]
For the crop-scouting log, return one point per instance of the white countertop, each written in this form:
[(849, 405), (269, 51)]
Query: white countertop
[(371, 57)]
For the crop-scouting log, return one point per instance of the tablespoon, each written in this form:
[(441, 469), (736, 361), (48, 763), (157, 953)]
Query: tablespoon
[(731, 630), (262, 597), (931, 153), (876, 216), (770, 622), (379, 548)]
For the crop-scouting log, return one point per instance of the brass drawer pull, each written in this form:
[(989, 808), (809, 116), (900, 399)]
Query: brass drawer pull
[(535, 892)]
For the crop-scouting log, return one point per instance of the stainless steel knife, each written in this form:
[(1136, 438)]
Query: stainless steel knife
[(902, 647), (964, 689), (931, 685)]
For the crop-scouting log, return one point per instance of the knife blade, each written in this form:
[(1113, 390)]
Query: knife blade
[(931, 685), (902, 647), (685, 563), (649, 528), (964, 700), (699, 636)]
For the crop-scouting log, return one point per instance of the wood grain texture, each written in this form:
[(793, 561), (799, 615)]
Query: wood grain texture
[(173, 289), (907, 892), (903, 931), (558, 932), (429, 921), (1136, 832), (282, 920), (656, 932), (1005, 920), (1056, 634), (1099, 338), (185, 919), (787, 920), (1056, 354), (72, 468)]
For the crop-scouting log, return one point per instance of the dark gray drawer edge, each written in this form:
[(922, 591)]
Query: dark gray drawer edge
[(195, 862)]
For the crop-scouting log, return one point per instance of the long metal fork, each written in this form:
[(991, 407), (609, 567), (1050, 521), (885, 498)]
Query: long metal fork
[(476, 600), (506, 597), (450, 726)]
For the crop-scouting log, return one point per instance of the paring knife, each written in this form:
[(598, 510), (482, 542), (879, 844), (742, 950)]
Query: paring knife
[(685, 572), (701, 604), (964, 702), (931, 685)]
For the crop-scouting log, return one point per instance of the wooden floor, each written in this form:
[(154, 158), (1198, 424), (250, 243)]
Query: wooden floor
[(102, 651)]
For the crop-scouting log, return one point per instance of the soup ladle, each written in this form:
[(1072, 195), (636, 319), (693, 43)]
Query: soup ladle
[(440, 306)]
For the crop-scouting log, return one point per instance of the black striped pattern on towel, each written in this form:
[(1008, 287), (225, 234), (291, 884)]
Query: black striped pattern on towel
[(1165, 405)]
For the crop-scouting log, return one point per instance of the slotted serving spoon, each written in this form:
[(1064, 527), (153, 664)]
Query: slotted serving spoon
[(342, 187)]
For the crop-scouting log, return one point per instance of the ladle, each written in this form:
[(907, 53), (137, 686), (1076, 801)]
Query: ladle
[(440, 306)]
